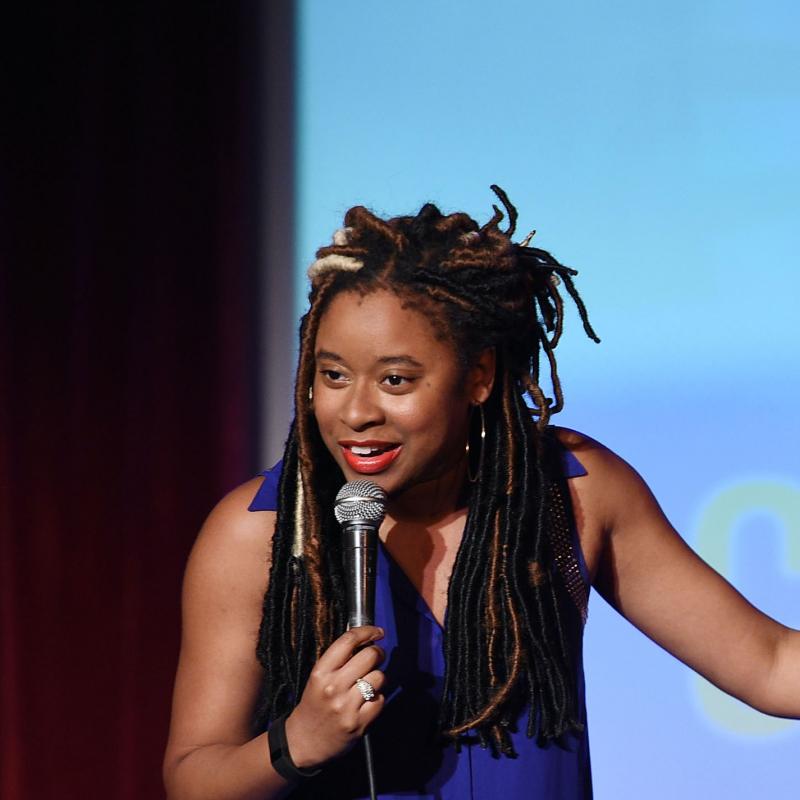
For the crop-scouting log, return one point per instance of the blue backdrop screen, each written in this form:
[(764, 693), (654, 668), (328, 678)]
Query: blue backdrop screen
[(654, 148)]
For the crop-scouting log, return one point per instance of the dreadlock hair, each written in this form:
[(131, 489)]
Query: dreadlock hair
[(490, 293)]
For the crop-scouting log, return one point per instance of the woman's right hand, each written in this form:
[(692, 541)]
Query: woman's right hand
[(332, 714)]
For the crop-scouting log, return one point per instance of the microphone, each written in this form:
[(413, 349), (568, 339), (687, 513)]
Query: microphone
[(359, 508)]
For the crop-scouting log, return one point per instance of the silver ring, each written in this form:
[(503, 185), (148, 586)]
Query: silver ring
[(366, 688)]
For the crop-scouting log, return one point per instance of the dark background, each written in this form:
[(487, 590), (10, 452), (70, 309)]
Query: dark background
[(133, 192)]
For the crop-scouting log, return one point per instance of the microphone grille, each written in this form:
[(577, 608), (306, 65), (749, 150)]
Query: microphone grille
[(361, 501)]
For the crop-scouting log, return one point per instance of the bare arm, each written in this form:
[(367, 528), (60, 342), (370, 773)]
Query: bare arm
[(647, 572), (210, 753)]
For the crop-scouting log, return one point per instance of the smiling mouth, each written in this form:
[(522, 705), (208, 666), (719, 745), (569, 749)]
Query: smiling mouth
[(368, 459)]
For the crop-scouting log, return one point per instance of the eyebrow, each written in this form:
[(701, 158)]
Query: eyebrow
[(406, 361), (402, 360)]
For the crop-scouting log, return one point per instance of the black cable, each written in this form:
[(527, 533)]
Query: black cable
[(370, 768)]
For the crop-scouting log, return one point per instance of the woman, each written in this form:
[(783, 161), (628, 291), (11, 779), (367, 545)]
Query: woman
[(423, 338)]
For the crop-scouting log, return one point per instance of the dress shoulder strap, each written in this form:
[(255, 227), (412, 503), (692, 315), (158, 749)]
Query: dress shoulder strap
[(560, 516), (266, 498)]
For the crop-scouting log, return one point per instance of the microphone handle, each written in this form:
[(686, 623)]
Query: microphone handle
[(360, 552)]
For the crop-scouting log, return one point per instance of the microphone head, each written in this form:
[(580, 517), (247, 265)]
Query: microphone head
[(360, 501)]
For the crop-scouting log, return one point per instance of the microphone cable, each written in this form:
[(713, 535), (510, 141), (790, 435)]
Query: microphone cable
[(370, 767)]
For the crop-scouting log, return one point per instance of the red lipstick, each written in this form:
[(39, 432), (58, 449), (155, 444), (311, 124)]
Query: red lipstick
[(370, 457)]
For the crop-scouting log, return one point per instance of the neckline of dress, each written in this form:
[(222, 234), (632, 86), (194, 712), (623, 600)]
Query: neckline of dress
[(412, 593)]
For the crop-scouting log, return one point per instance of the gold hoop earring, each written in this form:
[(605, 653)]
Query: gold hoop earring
[(474, 477)]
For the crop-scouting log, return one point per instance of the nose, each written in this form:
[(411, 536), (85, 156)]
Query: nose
[(361, 408)]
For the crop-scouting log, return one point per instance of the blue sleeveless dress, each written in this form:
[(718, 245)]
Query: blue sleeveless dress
[(410, 761)]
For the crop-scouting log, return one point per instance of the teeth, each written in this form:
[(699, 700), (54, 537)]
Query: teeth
[(363, 451)]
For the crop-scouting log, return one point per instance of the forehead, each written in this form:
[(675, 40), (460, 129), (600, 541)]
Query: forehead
[(379, 322)]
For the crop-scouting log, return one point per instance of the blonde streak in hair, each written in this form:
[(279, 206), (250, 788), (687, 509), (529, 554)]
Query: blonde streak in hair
[(305, 512), (313, 568), (334, 263), (341, 237), (299, 517)]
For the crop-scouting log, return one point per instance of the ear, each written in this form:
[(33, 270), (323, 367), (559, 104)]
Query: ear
[(480, 377)]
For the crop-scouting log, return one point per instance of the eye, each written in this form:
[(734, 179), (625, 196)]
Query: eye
[(396, 381), (333, 375)]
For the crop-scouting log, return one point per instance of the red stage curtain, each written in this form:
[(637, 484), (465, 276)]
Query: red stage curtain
[(129, 225)]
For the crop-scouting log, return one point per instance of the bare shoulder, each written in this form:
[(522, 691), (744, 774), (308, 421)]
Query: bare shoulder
[(610, 490), (587, 450), (234, 544), (232, 523), (607, 473)]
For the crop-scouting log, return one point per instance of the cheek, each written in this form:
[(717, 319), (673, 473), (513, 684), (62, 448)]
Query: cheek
[(324, 414), (424, 414), (441, 426), (456, 434)]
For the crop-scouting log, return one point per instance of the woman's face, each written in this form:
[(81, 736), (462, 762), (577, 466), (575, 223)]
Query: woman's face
[(391, 398)]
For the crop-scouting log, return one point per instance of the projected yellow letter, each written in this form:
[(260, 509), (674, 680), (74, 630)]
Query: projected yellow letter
[(715, 543)]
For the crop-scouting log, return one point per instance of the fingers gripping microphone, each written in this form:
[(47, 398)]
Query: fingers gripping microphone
[(359, 508)]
